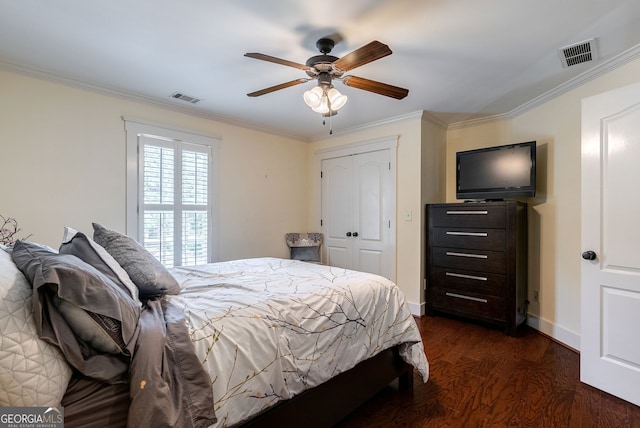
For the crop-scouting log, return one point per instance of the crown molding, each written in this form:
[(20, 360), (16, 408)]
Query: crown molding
[(420, 114), (168, 104), (185, 109), (599, 70), (605, 67), (430, 117), (479, 121)]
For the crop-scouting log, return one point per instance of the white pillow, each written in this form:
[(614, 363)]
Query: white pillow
[(32, 371)]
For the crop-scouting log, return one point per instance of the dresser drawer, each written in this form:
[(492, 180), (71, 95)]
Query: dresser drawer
[(466, 259), (467, 281), (468, 215), (468, 304), (476, 238)]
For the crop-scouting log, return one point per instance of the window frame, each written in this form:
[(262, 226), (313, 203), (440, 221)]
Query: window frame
[(136, 131)]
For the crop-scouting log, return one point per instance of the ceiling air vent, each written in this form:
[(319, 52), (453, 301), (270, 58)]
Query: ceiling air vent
[(578, 53), (182, 97)]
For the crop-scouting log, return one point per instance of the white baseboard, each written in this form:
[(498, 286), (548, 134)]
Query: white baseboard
[(417, 309), (562, 335)]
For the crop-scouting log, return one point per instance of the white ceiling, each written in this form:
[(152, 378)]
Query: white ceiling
[(460, 59)]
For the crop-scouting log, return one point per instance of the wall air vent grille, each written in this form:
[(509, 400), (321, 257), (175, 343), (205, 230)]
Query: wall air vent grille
[(578, 53), (186, 98)]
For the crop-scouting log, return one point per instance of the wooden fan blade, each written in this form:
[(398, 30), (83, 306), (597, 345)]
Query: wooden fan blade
[(375, 87), (278, 87), (280, 61), (370, 52)]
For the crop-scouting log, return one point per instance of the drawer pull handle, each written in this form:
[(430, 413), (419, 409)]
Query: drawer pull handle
[(474, 256), (467, 212), (461, 296), (481, 234), (460, 275)]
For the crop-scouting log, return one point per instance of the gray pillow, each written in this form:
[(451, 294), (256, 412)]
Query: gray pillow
[(80, 310), (80, 245), (146, 272), (306, 254), (100, 332)]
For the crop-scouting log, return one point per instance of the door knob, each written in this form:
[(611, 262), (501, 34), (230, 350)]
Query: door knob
[(348, 233), (589, 255), (355, 233)]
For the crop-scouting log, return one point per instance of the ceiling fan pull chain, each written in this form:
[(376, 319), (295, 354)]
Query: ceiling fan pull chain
[(330, 116), (330, 121)]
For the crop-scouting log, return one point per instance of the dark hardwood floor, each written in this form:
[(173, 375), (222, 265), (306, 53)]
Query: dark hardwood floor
[(481, 378)]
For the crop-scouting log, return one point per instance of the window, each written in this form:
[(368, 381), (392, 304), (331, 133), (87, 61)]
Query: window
[(170, 193)]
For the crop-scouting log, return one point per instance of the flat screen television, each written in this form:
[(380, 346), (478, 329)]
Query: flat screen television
[(496, 173)]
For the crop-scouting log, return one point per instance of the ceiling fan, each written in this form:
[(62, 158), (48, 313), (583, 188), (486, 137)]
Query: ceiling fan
[(325, 68)]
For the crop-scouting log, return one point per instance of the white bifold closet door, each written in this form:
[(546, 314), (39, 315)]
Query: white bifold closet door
[(357, 206)]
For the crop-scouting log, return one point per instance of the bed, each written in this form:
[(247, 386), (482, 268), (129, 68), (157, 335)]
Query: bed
[(245, 342)]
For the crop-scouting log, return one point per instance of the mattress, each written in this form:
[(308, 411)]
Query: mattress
[(267, 329)]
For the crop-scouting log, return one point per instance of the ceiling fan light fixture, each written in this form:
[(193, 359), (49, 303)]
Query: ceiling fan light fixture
[(323, 107), (323, 100), (336, 99), (313, 97)]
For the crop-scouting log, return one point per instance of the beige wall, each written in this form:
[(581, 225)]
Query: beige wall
[(433, 180), (554, 214), (63, 163)]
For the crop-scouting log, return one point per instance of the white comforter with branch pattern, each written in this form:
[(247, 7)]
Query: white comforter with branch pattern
[(267, 329)]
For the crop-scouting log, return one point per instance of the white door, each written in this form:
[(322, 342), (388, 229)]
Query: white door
[(610, 332), (336, 210), (357, 207)]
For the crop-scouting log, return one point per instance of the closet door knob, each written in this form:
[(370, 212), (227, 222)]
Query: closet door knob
[(348, 233), (355, 233), (589, 255)]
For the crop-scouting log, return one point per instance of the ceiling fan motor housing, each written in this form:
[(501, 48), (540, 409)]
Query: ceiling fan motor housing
[(324, 78), (321, 59), (322, 63), (325, 45)]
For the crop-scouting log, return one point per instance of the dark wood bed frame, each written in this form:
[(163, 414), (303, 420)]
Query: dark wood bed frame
[(328, 403), (88, 401)]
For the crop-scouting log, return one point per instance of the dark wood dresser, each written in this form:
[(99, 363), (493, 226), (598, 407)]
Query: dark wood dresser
[(476, 263)]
